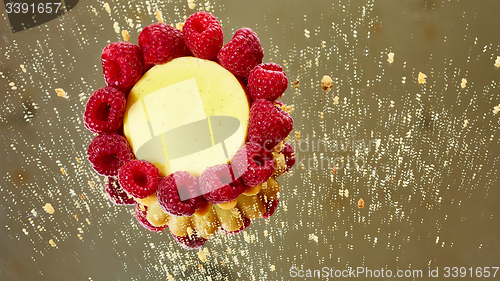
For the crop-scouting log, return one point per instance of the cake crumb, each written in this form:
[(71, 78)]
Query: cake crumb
[(201, 256), (326, 83), (116, 27), (273, 267), (63, 171), (23, 68), (179, 25), (336, 100), (496, 109), (48, 208), (313, 237), (61, 93), (466, 122), (307, 33), (497, 62), (421, 78), (361, 203), (34, 213), (392, 103), (107, 8), (297, 135), (390, 57), (25, 231), (52, 243), (159, 16), (126, 36), (191, 4), (296, 84), (464, 83)]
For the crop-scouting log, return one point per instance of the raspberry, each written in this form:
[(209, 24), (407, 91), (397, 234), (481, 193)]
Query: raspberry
[(168, 194), (160, 43), (116, 193), (140, 215), (252, 164), (267, 81), (270, 208), (122, 65), (268, 124), (242, 53), (246, 224), (190, 242), (218, 185), (104, 110), (108, 153), (203, 35), (289, 154), (139, 178)]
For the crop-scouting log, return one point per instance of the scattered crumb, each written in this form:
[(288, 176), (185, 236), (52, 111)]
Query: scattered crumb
[(108, 9), (421, 78), (273, 268), (403, 80), (296, 84), (390, 57), (326, 83), (334, 170), (25, 231), (464, 83), (63, 171), (116, 27), (126, 36), (307, 33), (201, 256), (466, 122), (34, 212), (22, 68), (191, 4), (159, 16), (392, 103), (52, 243), (179, 25), (312, 236), (336, 100), (497, 62), (170, 277), (496, 109), (361, 203), (48, 208), (189, 231), (297, 135)]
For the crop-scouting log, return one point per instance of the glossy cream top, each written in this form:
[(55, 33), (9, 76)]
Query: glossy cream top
[(186, 115)]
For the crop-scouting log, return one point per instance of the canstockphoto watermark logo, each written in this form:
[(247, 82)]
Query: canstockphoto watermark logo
[(26, 14), (320, 154), (170, 127)]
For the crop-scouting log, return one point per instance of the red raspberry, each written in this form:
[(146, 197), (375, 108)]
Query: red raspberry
[(267, 81), (108, 153), (168, 194), (160, 43), (190, 242), (252, 164), (270, 208), (116, 193), (246, 224), (242, 53), (268, 124), (203, 35), (140, 215), (289, 154), (104, 110), (139, 178), (122, 65), (218, 185)]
